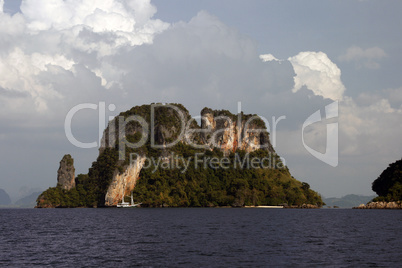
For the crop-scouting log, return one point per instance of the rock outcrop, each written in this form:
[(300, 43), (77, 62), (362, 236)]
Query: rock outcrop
[(380, 205), (124, 183), (232, 132), (66, 173)]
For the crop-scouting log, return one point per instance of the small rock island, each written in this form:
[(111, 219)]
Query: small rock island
[(388, 186)]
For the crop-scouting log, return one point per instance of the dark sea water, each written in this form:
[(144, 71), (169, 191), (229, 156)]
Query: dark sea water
[(204, 237)]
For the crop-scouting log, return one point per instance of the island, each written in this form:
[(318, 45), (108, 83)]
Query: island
[(388, 186), (164, 158)]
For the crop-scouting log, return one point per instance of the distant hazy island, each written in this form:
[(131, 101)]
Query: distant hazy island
[(164, 158), (347, 201), (388, 186), (26, 199), (4, 198)]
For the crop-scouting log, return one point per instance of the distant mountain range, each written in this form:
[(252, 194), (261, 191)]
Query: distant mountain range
[(348, 201), (4, 198), (28, 201)]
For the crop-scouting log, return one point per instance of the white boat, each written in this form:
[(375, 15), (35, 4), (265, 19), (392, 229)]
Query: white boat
[(127, 204)]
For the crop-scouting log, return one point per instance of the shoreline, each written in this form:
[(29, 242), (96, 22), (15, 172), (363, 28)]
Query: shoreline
[(380, 205)]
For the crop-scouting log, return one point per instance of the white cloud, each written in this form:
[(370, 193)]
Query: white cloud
[(367, 58), (268, 57), (10, 25), (64, 34), (318, 73), (19, 74), (202, 62), (370, 128), (118, 22), (393, 96)]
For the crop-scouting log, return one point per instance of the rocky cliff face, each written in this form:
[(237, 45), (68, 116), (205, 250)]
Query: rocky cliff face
[(123, 184), (66, 173), (233, 132)]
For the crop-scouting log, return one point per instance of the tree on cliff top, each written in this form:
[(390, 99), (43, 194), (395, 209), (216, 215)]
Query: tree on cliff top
[(389, 184)]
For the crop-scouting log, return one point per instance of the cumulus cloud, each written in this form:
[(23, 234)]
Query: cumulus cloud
[(19, 74), (128, 22), (370, 128), (65, 34), (10, 25), (202, 62), (318, 73), (367, 58)]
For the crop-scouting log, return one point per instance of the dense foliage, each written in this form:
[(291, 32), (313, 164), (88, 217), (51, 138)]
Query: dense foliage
[(389, 184), (222, 186)]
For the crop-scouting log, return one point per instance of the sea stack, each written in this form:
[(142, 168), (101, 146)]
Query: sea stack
[(66, 173)]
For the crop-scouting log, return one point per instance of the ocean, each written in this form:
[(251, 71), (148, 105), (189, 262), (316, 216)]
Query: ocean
[(200, 237)]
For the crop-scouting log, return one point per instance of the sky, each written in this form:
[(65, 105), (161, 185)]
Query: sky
[(283, 60)]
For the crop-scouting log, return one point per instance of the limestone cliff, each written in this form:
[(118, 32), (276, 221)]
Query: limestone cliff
[(66, 173), (124, 183), (234, 132)]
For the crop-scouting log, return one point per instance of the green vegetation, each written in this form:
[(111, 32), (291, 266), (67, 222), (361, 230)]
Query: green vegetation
[(219, 186), (389, 184), (228, 185), (69, 160)]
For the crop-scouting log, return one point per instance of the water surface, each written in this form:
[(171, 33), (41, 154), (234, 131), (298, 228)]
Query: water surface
[(201, 237)]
